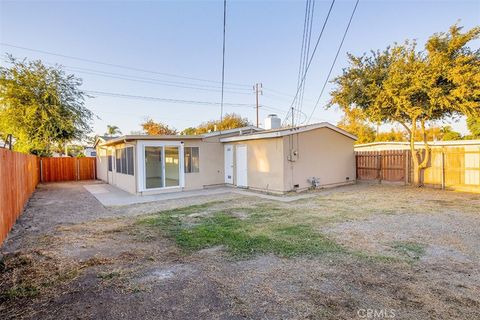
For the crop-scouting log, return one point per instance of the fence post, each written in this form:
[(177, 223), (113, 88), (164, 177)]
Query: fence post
[(443, 169), (407, 167), (78, 168), (41, 170), (379, 166)]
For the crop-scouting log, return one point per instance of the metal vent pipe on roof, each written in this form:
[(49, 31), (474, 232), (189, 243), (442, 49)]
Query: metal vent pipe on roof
[(272, 122)]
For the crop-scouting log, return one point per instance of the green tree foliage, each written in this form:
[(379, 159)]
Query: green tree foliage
[(112, 131), (355, 122), (41, 106), (411, 88), (473, 124), (189, 131), (151, 127), (229, 121), (392, 135)]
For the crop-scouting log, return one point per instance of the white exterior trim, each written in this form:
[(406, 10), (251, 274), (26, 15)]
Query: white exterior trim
[(288, 131)]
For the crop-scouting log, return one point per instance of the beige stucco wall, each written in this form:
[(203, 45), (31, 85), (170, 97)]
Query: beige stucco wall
[(123, 181), (211, 162), (102, 163), (321, 153), (265, 164)]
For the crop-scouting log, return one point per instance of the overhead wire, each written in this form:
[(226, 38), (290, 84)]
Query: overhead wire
[(309, 28), (313, 52), (334, 61), (120, 66), (149, 98), (223, 57)]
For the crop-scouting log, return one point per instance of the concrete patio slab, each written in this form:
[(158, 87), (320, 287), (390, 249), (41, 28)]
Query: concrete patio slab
[(110, 196)]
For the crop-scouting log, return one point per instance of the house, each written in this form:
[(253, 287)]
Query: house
[(276, 160), (89, 151)]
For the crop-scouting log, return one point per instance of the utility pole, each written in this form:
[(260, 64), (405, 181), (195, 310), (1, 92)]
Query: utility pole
[(258, 90), (293, 117)]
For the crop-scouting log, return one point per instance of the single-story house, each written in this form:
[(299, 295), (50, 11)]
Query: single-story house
[(277, 160)]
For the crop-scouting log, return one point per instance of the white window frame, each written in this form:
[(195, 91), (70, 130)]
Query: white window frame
[(141, 182)]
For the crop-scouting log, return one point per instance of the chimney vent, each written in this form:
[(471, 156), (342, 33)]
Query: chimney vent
[(272, 122)]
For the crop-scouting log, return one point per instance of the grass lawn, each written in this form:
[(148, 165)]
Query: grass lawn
[(258, 231)]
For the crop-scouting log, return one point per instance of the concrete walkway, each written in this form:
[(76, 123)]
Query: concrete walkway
[(110, 196)]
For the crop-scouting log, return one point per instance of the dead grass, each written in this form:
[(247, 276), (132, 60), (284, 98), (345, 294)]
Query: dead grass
[(412, 250)]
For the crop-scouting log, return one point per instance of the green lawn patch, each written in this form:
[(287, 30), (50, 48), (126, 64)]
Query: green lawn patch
[(257, 233), (412, 250)]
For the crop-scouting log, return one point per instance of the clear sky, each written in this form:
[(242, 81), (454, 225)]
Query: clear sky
[(184, 39)]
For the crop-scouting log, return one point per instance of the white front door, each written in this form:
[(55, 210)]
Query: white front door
[(229, 164), (242, 168)]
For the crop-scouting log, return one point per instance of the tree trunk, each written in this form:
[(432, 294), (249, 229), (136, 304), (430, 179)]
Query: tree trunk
[(417, 170)]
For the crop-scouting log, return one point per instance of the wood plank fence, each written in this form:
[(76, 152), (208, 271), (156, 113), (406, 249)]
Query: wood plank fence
[(453, 168), (390, 165), (19, 176), (67, 169)]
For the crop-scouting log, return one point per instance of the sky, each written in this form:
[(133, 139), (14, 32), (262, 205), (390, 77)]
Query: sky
[(163, 59)]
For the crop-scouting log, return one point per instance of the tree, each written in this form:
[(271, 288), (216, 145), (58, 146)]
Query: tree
[(189, 131), (354, 121), (41, 106), (112, 131), (473, 124), (229, 121), (151, 127), (413, 89), (392, 135)]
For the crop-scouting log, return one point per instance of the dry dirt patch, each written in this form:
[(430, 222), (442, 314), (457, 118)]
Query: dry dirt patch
[(414, 251)]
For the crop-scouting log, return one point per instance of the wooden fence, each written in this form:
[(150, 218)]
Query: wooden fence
[(453, 168), (19, 175), (67, 169), (391, 165)]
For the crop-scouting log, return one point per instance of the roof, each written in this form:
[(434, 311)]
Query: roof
[(115, 140), (275, 133), (230, 131), (121, 139), (430, 143), (103, 138)]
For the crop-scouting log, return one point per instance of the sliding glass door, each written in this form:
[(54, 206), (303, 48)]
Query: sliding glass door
[(153, 167), (172, 167), (162, 167)]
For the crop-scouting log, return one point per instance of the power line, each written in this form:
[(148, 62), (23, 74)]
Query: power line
[(307, 53), (313, 53), (223, 56), (150, 80), (73, 68), (118, 65), (159, 83), (334, 60), (149, 98), (303, 54)]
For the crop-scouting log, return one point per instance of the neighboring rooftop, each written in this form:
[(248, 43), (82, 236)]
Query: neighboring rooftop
[(406, 144)]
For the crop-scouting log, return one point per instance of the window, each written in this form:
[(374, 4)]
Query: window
[(129, 160), (192, 163), (110, 161), (124, 160)]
